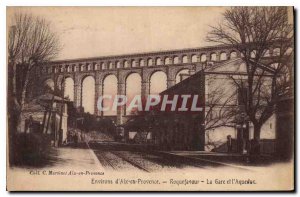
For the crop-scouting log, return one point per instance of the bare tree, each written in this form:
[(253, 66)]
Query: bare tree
[(31, 43), (253, 31), (220, 108)]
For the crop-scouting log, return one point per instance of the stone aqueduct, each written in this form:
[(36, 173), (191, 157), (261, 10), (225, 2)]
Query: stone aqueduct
[(145, 64)]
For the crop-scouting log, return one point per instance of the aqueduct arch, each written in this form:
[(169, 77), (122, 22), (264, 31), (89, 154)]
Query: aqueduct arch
[(145, 64)]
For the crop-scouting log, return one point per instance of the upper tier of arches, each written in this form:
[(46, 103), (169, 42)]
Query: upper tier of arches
[(157, 59)]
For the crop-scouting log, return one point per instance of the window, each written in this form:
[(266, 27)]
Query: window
[(142, 62), (213, 57), (103, 67), (267, 53), (111, 66), (203, 58), (184, 59), (126, 64), (233, 55), (158, 61), (118, 64), (253, 54), (133, 63), (149, 62), (167, 61), (96, 67), (288, 51), (89, 66), (276, 52), (176, 60), (223, 56), (194, 58)]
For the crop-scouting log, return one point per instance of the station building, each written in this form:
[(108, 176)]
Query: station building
[(47, 115), (223, 115)]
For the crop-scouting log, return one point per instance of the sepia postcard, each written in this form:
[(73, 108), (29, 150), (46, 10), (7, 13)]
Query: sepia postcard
[(150, 99)]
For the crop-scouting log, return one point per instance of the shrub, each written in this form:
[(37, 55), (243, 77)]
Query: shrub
[(30, 149)]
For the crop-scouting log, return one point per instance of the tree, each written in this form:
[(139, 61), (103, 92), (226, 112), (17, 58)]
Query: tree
[(31, 43), (253, 31), (219, 107)]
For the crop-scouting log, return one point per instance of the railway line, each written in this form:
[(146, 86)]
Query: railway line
[(132, 162), (114, 160), (122, 159)]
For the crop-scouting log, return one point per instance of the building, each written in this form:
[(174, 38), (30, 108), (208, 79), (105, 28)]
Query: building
[(285, 125), (48, 115), (175, 130), (223, 114)]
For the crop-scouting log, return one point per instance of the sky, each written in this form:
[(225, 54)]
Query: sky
[(99, 31)]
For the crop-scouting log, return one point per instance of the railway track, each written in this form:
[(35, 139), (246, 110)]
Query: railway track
[(111, 159), (120, 160), (105, 161), (135, 164)]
